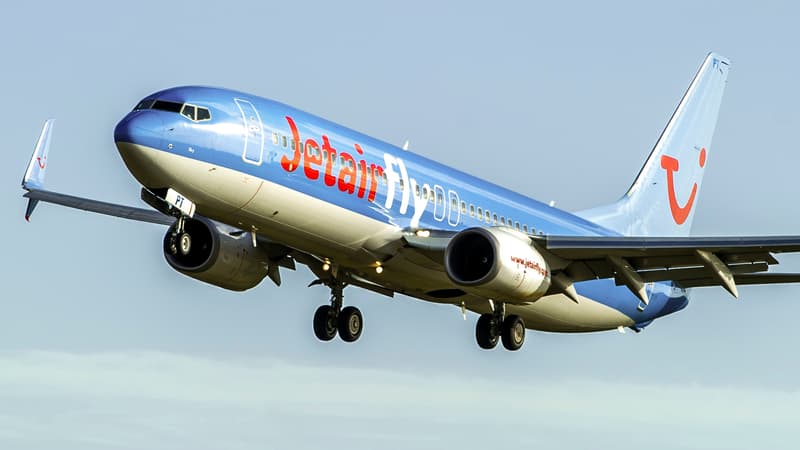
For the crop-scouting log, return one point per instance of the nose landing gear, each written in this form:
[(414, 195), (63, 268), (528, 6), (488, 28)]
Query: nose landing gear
[(179, 239)]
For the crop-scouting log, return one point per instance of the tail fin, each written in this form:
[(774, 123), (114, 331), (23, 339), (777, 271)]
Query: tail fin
[(661, 201), (34, 175)]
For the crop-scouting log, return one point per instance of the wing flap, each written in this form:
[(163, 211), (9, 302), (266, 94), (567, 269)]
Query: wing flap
[(743, 280)]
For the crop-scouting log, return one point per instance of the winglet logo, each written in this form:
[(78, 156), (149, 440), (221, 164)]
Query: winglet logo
[(42, 161), (670, 164)]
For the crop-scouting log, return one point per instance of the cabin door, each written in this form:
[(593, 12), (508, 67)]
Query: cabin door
[(253, 151)]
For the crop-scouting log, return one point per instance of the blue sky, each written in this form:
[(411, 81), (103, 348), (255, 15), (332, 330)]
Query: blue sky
[(103, 346)]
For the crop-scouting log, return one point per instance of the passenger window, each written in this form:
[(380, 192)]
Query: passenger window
[(463, 207), (472, 210), (188, 111), (274, 138), (502, 220), (517, 226), (284, 141), (480, 213), (495, 219), (488, 216), (203, 114)]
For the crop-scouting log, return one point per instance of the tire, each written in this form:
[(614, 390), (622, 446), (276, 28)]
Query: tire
[(324, 324), (185, 243), (513, 332), (351, 324), (485, 332)]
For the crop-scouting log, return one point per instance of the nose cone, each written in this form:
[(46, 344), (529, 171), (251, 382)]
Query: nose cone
[(140, 127), (138, 137)]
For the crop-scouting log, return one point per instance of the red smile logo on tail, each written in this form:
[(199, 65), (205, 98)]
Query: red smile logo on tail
[(670, 164)]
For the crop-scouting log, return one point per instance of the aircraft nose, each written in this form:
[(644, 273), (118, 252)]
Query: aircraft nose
[(140, 127)]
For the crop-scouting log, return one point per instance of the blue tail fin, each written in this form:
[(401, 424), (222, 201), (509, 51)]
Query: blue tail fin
[(661, 201)]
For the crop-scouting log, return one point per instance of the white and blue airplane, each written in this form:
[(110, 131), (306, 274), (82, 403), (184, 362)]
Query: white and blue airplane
[(248, 185)]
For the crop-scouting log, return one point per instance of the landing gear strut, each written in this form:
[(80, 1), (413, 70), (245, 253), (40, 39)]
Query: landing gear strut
[(330, 319), (496, 326), (179, 239)]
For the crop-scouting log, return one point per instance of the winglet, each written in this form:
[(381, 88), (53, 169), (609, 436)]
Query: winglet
[(34, 176)]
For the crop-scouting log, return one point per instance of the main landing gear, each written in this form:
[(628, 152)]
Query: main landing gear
[(330, 319), (496, 325)]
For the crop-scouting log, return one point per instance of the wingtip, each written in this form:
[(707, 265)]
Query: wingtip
[(32, 202), (714, 55)]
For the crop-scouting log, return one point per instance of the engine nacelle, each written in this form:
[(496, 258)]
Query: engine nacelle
[(216, 257), (497, 263)]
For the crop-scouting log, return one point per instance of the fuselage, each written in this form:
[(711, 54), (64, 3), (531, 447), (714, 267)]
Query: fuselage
[(321, 188)]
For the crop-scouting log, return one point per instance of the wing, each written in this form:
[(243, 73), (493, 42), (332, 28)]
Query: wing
[(33, 182), (687, 261), (110, 209), (636, 261)]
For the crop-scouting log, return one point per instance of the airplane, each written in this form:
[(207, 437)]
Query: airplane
[(247, 186)]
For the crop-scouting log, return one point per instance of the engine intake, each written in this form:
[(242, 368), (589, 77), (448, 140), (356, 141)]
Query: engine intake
[(206, 252), (497, 263)]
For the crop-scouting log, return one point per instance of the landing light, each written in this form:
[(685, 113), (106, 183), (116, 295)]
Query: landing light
[(379, 270), (423, 233), (326, 266)]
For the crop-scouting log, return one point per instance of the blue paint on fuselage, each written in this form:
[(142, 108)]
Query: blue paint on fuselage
[(220, 141)]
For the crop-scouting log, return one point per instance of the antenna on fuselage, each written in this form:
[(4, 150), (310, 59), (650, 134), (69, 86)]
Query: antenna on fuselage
[(405, 146)]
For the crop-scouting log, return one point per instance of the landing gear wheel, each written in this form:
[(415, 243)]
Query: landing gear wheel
[(350, 324), (513, 333), (486, 332), (324, 323), (185, 242)]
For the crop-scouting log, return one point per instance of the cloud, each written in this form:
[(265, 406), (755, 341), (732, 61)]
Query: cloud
[(154, 400)]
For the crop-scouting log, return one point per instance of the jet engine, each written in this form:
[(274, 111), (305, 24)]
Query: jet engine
[(207, 252), (497, 263)]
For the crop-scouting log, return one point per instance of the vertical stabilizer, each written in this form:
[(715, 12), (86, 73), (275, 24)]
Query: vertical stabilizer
[(663, 197)]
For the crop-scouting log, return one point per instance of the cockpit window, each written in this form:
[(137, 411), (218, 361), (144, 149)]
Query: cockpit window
[(145, 104), (196, 113), (203, 114), (163, 105), (189, 111)]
